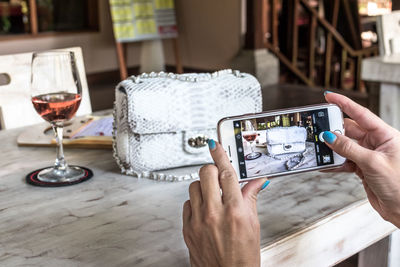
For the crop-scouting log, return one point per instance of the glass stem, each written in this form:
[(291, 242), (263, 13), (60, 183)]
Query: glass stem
[(60, 163)]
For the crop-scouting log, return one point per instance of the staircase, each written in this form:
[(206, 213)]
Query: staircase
[(327, 60)]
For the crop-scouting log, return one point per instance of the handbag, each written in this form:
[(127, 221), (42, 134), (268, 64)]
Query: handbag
[(164, 120), (284, 140)]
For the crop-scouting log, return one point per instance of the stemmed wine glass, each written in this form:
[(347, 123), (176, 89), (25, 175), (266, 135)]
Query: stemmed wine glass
[(56, 93), (250, 135)]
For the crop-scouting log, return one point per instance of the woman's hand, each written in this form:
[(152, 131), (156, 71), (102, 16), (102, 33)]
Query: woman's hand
[(222, 229), (374, 155)]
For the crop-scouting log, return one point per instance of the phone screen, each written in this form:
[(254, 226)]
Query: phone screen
[(281, 143)]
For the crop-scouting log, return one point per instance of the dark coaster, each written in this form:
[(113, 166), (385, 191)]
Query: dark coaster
[(31, 178), (256, 156)]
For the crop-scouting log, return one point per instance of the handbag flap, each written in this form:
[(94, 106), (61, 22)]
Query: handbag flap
[(160, 102), (286, 135)]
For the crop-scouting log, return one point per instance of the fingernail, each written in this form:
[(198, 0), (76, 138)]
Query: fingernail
[(211, 144), (329, 137), (327, 92), (265, 184)]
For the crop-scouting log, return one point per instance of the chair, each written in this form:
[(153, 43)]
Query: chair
[(16, 109), (388, 29)]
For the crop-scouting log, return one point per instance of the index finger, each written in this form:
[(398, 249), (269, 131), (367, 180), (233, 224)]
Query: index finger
[(227, 176), (363, 116)]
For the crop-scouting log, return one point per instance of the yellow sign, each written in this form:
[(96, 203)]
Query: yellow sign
[(136, 20)]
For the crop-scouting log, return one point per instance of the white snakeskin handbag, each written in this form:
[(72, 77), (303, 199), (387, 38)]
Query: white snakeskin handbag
[(163, 121), (284, 140)]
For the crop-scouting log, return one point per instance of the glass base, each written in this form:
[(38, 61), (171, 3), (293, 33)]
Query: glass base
[(53, 175), (253, 155)]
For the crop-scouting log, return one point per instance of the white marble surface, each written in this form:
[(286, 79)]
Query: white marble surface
[(266, 164), (117, 220)]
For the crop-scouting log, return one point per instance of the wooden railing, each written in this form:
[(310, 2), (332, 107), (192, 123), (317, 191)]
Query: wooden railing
[(262, 32)]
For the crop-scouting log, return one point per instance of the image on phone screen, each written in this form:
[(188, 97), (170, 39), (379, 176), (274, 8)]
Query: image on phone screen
[(281, 143)]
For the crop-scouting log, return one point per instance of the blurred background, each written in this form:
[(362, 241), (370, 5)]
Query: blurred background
[(304, 44)]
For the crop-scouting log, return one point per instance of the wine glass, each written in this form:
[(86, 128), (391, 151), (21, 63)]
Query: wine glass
[(56, 93), (250, 135)]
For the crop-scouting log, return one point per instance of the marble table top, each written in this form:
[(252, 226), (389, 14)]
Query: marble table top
[(117, 220), (267, 164)]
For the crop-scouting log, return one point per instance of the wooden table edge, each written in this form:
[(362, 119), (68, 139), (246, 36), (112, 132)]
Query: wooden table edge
[(329, 240)]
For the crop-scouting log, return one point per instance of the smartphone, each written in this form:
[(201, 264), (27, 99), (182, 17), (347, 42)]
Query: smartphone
[(281, 142)]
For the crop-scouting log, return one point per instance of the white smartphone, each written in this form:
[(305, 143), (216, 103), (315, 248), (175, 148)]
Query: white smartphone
[(281, 142)]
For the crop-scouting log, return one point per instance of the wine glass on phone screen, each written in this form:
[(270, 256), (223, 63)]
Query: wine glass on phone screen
[(250, 135), (56, 94)]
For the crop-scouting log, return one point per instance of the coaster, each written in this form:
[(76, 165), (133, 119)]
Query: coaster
[(31, 178), (253, 155)]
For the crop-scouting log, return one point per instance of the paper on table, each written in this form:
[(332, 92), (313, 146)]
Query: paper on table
[(99, 127)]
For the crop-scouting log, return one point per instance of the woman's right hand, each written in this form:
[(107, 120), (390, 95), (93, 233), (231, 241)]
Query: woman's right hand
[(374, 155)]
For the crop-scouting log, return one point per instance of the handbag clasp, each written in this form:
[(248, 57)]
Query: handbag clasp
[(287, 147), (199, 141)]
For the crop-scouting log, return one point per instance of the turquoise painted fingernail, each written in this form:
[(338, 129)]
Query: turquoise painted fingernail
[(265, 184), (329, 137), (327, 92), (211, 144)]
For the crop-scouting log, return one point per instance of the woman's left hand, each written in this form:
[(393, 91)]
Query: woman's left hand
[(222, 229)]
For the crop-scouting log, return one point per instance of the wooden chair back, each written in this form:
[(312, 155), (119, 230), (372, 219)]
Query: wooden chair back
[(16, 109), (388, 28)]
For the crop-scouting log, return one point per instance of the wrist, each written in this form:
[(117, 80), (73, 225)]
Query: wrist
[(394, 217), (396, 220)]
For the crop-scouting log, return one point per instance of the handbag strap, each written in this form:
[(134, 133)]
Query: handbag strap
[(301, 155), (185, 77)]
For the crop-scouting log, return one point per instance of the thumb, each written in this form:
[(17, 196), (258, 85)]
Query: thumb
[(346, 147), (252, 188)]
